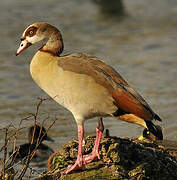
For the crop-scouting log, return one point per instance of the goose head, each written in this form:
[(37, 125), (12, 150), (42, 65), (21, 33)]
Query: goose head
[(38, 134), (44, 33)]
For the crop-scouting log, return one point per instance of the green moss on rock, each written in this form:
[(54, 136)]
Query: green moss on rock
[(120, 159)]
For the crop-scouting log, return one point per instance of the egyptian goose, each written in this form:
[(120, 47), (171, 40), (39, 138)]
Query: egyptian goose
[(36, 135), (85, 85)]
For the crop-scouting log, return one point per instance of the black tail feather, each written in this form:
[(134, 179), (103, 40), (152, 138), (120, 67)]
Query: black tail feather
[(156, 117), (155, 130)]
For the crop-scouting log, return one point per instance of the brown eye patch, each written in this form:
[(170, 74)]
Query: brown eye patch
[(31, 31)]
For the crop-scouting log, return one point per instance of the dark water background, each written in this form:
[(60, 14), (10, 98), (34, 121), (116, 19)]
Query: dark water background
[(141, 45)]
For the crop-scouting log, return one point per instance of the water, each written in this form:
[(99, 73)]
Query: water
[(141, 45)]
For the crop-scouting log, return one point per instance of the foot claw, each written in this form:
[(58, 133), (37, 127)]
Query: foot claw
[(77, 165), (90, 157)]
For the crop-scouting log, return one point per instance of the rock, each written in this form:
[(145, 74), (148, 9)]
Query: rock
[(121, 158)]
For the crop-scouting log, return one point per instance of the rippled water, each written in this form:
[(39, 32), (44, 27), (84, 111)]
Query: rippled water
[(141, 45)]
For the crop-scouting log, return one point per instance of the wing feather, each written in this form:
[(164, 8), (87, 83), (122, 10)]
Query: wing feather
[(126, 98)]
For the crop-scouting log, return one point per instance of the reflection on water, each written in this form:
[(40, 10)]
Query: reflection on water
[(111, 7), (142, 47)]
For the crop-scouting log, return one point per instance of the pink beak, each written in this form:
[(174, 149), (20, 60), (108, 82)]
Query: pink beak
[(23, 45)]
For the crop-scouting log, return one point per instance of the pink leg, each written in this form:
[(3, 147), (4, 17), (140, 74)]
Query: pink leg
[(95, 153), (80, 162)]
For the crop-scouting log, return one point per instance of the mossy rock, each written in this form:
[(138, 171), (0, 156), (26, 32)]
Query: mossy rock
[(121, 158)]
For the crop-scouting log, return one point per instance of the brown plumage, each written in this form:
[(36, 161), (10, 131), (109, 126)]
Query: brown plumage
[(85, 85), (125, 97)]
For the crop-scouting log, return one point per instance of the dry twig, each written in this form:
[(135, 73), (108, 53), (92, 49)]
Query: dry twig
[(10, 162)]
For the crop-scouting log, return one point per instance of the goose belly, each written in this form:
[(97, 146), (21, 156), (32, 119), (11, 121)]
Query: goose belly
[(79, 93)]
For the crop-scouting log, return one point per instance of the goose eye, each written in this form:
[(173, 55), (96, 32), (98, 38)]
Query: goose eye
[(31, 33)]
